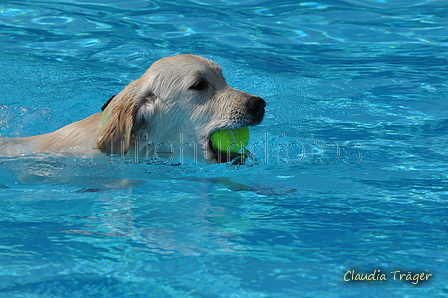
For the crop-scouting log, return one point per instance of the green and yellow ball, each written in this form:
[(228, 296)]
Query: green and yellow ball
[(230, 141)]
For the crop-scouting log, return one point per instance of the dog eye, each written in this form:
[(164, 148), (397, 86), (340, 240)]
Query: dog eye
[(199, 85)]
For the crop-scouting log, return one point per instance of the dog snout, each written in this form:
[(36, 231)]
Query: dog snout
[(256, 106)]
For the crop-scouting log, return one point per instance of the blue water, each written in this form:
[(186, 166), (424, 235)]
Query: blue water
[(351, 159)]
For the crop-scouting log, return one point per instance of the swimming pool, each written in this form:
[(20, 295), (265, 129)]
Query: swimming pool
[(350, 179)]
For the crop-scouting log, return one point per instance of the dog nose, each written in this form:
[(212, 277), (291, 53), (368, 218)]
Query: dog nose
[(256, 105)]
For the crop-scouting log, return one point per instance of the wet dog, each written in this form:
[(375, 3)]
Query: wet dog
[(170, 112)]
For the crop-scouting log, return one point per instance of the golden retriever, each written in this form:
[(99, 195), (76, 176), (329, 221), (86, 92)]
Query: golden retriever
[(170, 112)]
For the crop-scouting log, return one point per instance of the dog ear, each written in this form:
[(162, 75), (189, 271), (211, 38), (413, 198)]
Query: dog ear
[(125, 115)]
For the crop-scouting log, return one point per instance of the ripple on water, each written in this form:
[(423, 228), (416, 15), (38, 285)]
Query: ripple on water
[(338, 29)]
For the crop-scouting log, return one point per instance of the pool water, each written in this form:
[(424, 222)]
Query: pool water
[(350, 170)]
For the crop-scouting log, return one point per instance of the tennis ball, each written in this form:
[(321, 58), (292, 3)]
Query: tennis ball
[(230, 140)]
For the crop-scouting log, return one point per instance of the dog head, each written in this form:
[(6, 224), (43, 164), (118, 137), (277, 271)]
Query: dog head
[(174, 108)]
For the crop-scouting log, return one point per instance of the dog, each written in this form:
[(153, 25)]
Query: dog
[(170, 112)]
